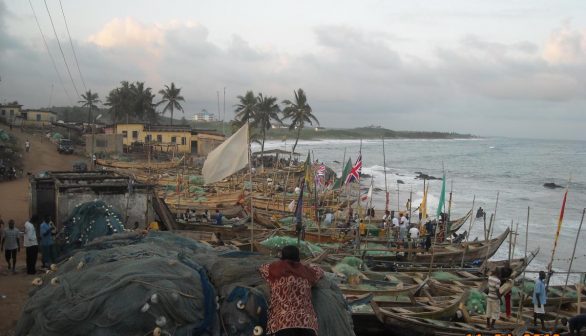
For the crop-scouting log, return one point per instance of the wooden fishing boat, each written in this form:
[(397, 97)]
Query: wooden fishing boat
[(153, 165), (449, 254), (404, 324), (436, 307), (457, 224), (380, 288), (211, 201), (556, 294)]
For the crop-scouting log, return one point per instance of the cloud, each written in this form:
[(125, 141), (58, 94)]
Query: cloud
[(566, 46), (352, 76)]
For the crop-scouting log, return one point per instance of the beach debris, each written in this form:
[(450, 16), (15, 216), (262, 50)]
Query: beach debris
[(157, 331), (551, 185), (80, 265), (155, 298), (55, 281), (145, 307), (53, 267), (258, 330), (161, 321), (37, 282)]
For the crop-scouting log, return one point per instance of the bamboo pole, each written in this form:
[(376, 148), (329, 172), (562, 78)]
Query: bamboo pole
[(515, 239), (511, 241), (385, 170), (449, 210), (557, 314), (523, 295), (469, 229), (251, 196)]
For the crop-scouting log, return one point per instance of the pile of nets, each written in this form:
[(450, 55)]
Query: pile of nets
[(4, 136), (444, 276), (160, 282), (476, 302), (306, 248), (89, 221)]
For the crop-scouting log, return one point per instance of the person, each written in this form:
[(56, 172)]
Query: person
[(403, 229), (219, 240), (408, 204), (218, 217), (539, 300), (493, 305), (27, 145), (329, 217), (414, 233), (386, 219), (46, 243), (404, 219), (31, 245), (506, 287), (290, 309), (479, 213), (394, 222), (10, 244), (575, 324)]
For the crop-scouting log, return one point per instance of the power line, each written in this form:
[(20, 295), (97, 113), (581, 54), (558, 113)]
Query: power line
[(61, 49), (72, 49), (49, 52)]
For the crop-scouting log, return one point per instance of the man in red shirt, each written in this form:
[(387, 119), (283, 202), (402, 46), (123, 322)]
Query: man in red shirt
[(290, 311)]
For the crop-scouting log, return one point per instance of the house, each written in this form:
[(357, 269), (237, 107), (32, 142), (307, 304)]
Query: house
[(204, 116), (37, 117), (8, 112), (181, 138)]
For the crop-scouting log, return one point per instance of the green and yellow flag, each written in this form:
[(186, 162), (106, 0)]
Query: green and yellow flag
[(308, 173), (442, 201), (340, 182), (423, 206)]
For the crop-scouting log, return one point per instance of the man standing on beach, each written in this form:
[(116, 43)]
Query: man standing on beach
[(31, 245), (27, 145), (46, 243), (10, 244), (539, 300), (493, 305)]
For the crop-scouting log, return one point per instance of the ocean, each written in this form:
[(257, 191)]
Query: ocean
[(515, 169)]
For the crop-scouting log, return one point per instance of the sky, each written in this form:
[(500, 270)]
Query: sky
[(489, 68)]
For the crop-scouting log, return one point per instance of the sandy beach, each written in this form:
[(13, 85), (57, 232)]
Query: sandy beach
[(14, 204)]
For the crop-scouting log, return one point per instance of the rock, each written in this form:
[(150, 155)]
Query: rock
[(365, 175), (400, 182), (422, 176), (552, 185), (377, 189)]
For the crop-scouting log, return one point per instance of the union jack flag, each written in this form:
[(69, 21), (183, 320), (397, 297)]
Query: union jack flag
[(321, 170), (354, 174)]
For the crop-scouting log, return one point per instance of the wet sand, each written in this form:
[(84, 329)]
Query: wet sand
[(14, 204)]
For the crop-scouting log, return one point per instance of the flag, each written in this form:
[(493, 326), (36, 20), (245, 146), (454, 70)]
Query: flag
[(321, 170), (368, 196), (340, 182), (442, 201), (557, 234), (227, 158), (308, 174), (423, 206), (299, 206), (354, 174)]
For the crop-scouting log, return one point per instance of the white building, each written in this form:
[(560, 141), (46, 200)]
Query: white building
[(204, 116)]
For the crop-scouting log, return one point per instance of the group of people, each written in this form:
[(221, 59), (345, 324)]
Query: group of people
[(31, 240), (191, 215)]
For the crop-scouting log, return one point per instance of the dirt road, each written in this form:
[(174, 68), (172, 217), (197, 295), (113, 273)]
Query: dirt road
[(14, 204)]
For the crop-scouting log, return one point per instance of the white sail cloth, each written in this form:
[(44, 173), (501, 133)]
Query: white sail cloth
[(227, 158)]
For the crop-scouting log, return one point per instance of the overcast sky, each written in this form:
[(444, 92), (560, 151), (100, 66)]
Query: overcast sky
[(502, 68)]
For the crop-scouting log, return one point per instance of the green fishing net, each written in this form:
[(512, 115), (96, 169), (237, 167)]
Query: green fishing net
[(476, 303), (444, 276), (306, 249)]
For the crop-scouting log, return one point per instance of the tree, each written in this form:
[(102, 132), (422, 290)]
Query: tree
[(89, 100), (142, 101), (245, 110), (267, 110), (171, 98), (299, 112)]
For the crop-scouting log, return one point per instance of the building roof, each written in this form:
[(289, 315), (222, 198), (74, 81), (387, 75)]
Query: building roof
[(195, 131), (167, 128), (37, 110), (12, 104)]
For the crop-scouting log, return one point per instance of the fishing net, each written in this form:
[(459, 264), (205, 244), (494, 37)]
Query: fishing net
[(306, 248), (352, 261), (4, 136), (89, 221), (444, 276), (346, 270), (195, 179), (476, 302), (130, 283)]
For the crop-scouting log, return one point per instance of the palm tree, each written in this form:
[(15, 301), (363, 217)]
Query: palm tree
[(245, 110), (171, 96), (299, 112), (114, 101), (267, 110), (89, 100), (144, 108)]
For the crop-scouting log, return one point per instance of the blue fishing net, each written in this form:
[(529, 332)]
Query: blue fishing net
[(131, 283)]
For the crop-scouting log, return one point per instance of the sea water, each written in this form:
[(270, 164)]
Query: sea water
[(515, 169)]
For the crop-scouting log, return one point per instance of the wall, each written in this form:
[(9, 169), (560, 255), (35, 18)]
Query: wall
[(104, 143), (129, 128), (133, 206), (207, 142), (167, 135)]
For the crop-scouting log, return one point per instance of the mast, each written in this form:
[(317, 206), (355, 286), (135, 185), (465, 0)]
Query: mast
[(251, 187), (469, 229), (557, 234), (385, 170)]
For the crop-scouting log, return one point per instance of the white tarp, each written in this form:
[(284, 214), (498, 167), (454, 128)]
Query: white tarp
[(227, 158)]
